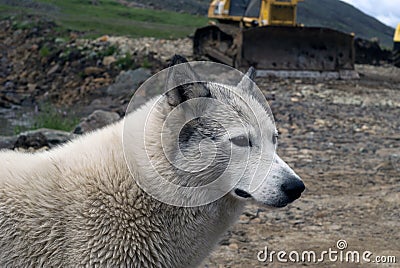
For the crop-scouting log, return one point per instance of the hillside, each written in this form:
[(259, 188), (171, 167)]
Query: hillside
[(344, 17), (329, 13), (100, 17)]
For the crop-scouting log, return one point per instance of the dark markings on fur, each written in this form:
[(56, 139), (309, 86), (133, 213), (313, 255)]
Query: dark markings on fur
[(203, 126), (190, 90), (177, 59), (186, 92), (186, 132), (190, 137)]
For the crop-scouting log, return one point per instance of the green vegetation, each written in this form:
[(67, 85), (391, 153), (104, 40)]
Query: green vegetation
[(113, 18), (4, 9), (51, 118), (146, 63), (109, 51), (44, 51), (126, 62), (22, 25)]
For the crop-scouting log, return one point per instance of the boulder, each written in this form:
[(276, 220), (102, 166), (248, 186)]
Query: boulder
[(128, 81), (93, 70), (107, 61), (95, 120), (33, 140), (45, 137), (36, 139), (7, 142)]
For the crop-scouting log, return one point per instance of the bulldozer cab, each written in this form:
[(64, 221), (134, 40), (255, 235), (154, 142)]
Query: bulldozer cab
[(396, 37), (251, 13), (396, 47), (245, 8)]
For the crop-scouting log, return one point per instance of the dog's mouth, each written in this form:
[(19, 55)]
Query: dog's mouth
[(242, 194)]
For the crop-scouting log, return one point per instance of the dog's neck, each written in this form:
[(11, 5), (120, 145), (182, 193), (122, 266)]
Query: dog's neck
[(199, 227)]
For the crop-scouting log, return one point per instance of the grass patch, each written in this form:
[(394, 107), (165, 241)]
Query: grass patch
[(51, 118), (146, 63), (4, 9), (44, 52), (126, 62), (110, 17)]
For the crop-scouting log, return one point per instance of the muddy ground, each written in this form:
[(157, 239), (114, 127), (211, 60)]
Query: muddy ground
[(343, 139)]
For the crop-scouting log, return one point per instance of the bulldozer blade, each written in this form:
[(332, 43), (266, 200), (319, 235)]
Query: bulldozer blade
[(296, 48), (280, 48)]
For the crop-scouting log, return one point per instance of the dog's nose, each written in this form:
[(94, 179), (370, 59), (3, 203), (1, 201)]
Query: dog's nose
[(293, 188)]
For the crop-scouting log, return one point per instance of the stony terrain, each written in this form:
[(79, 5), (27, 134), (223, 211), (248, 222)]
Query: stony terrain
[(341, 137), (40, 65)]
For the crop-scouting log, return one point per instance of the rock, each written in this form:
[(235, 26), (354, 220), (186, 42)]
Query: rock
[(234, 246), (97, 119), (13, 97), (107, 61), (56, 137), (128, 81), (53, 69), (9, 85), (4, 104), (93, 70), (7, 142), (41, 137), (103, 38), (31, 87), (33, 140), (162, 49), (335, 227), (243, 219), (256, 221), (59, 40)]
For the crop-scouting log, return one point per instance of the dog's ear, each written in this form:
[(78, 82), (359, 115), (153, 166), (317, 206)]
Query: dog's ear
[(246, 82), (181, 73), (177, 59), (251, 73)]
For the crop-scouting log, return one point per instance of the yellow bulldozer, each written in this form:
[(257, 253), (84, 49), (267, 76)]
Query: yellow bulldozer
[(396, 47), (266, 35)]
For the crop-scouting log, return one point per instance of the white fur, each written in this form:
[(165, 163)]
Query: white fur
[(79, 205)]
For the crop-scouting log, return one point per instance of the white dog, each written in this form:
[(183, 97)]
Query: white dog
[(80, 204)]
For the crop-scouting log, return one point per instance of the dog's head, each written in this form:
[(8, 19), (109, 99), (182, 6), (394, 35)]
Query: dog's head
[(222, 137)]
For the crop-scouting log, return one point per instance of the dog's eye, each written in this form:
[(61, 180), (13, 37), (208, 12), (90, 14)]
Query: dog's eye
[(241, 141), (274, 138)]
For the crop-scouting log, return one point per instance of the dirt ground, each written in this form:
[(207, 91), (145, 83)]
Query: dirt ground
[(343, 139)]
